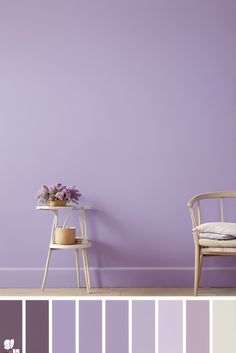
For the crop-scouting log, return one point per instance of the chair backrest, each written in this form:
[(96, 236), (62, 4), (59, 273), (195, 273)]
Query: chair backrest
[(195, 207)]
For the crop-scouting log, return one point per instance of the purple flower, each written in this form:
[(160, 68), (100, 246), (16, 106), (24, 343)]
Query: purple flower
[(43, 194), (45, 189)]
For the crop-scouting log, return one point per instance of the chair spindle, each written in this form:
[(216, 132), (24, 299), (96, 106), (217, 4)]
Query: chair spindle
[(221, 210)]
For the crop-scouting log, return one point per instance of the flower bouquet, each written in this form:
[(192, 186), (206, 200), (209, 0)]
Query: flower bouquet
[(58, 195)]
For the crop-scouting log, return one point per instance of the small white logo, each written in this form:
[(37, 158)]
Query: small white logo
[(9, 344)]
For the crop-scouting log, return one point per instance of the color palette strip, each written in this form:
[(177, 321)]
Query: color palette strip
[(37, 328), (170, 326), (90, 326), (143, 326), (118, 326), (197, 326), (11, 323), (224, 326), (63, 323)]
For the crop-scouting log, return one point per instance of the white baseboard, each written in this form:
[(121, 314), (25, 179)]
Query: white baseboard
[(163, 277), (176, 268)]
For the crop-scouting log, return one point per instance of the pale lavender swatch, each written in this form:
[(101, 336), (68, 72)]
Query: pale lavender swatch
[(90, 326), (63, 326), (11, 322), (197, 326), (170, 326), (117, 326), (143, 326)]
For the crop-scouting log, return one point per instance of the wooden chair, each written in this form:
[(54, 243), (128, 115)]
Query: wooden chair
[(208, 247)]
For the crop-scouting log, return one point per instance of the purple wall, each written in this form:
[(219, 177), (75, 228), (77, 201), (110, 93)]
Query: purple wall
[(131, 101)]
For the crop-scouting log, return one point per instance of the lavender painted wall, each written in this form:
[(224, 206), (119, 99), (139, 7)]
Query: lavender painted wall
[(131, 101)]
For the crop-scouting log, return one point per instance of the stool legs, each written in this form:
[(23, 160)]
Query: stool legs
[(46, 269), (86, 270), (77, 267)]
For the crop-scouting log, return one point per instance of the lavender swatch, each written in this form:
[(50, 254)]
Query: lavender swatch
[(197, 326), (117, 326), (37, 329), (90, 326), (143, 326), (63, 326), (170, 326)]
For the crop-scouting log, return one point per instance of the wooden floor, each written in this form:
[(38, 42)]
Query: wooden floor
[(107, 292)]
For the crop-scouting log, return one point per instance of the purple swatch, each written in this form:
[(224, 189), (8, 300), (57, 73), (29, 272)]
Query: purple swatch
[(90, 326), (170, 326), (11, 322), (143, 326), (37, 326), (63, 326), (197, 326), (117, 326)]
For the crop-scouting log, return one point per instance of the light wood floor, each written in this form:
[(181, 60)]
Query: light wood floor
[(107, 292)]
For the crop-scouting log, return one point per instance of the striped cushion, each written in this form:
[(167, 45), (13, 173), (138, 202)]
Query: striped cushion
[(224, 228), (216, 236)]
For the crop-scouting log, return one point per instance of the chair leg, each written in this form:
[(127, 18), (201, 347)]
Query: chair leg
[(196, 272), (46, 269), (200, 269), (86, 271), (77, 267)]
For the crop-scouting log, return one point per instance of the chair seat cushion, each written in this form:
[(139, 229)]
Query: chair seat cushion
[(223, 228), (214, 243)]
